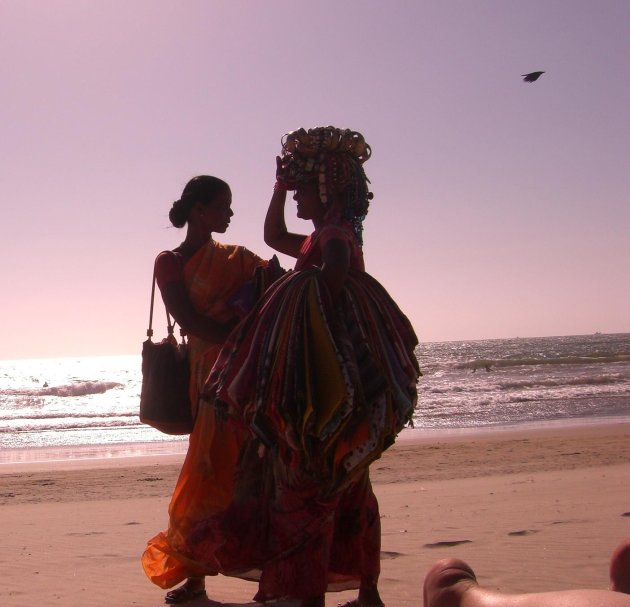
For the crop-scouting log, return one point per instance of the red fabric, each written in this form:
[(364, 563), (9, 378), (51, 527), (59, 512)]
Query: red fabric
[(168, 268), (311, 250), (340, 540)]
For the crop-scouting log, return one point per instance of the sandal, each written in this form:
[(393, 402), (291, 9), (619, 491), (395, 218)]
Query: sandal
[(184, 594)]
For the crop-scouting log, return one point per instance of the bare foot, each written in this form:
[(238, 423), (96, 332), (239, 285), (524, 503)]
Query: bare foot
[(192, 588), (446, 582), (452, 583), (620, 568)]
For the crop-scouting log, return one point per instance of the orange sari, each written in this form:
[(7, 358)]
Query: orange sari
[(212, 276)]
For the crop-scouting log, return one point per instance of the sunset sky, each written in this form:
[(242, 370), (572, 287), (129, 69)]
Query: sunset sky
[(501, 208)]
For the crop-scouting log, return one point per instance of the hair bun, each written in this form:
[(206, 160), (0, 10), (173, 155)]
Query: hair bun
[(178, 213)]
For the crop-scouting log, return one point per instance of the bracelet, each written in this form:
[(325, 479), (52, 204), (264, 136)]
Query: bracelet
[(279, 187)]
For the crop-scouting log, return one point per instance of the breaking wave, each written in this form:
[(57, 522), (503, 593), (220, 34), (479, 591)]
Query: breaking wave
[(82, 388), (488, 363), (597, 380)]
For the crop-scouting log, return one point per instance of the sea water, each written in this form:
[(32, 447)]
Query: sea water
[(501, 383), (523, 381)]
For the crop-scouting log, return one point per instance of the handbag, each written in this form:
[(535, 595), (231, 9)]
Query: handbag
[(164, 399)]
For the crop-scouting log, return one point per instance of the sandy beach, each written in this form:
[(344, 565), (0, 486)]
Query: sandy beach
[(530, 510)]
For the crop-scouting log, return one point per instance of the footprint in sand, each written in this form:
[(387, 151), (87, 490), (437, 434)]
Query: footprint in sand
[(523, 532), (390, 554), (447, 544)]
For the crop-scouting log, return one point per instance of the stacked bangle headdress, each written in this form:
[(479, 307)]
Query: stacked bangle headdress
[(333, 158)]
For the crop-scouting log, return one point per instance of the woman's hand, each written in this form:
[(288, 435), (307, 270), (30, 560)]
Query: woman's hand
[(275, 231), (282, 181)]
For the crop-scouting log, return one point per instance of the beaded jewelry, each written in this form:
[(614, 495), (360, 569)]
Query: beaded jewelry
[(333, 158)]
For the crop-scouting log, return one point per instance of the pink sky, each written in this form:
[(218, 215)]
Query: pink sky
[(501, 208)]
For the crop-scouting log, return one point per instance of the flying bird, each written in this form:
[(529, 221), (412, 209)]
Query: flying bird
[(532, 76)]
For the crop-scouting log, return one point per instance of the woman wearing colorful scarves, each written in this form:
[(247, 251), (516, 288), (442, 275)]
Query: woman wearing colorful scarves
[(323, 374), (203, 284)]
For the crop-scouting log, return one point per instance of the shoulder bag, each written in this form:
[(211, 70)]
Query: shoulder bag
[(164, 399)]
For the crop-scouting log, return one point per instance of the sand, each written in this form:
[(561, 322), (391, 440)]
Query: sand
[(533, 510)]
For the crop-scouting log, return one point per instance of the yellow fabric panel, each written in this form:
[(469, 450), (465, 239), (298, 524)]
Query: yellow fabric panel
[(326, 388)]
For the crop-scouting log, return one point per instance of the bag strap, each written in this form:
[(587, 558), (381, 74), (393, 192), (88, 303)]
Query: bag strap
[(150, 329), (170, 325)]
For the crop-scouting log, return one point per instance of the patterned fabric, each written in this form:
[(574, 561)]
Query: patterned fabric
[(315, 392), (327, 387)]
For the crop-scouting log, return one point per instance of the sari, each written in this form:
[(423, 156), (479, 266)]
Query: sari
[(214, 277)]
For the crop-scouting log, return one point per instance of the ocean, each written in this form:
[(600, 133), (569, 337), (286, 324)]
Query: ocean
[(74, 404)]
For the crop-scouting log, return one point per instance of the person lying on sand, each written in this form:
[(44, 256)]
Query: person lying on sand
[(452, 583)]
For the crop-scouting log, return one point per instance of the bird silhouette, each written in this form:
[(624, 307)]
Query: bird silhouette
[(532, 76)]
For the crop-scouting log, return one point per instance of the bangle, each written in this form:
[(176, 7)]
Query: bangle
[(279, 187)]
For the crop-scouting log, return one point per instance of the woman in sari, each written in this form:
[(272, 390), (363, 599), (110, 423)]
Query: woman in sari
[(323, 374), (200, 282)]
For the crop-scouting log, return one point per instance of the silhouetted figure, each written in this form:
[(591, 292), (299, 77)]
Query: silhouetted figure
[(532, 76)]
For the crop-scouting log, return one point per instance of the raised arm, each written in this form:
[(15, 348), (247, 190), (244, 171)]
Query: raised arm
[(275, 232)]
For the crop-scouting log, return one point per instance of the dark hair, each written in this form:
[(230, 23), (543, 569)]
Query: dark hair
[(204, 189)]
